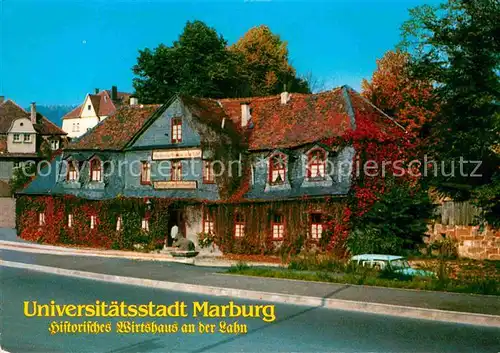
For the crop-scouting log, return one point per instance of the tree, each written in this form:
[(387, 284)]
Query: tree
[(265, 63), (197, 64), (393, 90), (456, 45), (407, 209)]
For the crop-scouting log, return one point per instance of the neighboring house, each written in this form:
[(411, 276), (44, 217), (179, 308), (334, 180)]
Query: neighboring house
[(23, 138), (280, 187), (95, 108)]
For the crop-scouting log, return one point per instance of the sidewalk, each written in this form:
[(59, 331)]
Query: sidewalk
[(170, 275)]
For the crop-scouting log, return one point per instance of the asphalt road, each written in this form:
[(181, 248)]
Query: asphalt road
[(297, 329)]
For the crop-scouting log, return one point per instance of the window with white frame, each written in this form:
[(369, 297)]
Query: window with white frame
[(119, 223), (16, 137), (54, 144), (145, 224), (27, 137), (93, 221), (145, 173), (95, 169), (278, 226), (70, 220), (316, 225), (208, 172), (77, 127), (316, 164), (277, 169), (176, 130), (41, 218), (72, 174), (239, 225), (208, 222), (176, 172)]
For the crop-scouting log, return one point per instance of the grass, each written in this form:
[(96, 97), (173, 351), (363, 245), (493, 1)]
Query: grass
[(324, 269)]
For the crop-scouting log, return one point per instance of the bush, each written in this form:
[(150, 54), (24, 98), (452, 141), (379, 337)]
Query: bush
[(370, 240)]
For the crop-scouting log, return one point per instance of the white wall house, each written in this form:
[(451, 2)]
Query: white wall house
[(95, 108)]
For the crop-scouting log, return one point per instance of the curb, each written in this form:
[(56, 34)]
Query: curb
[(54, 250), (328, 303)]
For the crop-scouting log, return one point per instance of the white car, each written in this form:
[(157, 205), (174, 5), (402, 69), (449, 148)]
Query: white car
[(394, 263)]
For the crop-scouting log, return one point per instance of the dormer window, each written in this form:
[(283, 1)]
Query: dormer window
[(72, 174), (17, 138), (316, 164), (54, 144), (277, 169), (95, 170), (27, 138), (176, 130)]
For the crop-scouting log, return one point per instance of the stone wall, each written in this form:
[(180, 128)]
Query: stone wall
[(470, 242)]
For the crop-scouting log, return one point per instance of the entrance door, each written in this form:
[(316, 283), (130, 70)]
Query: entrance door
[(176, 218)]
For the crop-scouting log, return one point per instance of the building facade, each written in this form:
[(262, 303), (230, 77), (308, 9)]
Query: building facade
[(253, 175), (25, 137), (95, 108)]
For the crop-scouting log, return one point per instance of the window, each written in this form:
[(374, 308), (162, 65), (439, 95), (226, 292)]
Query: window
[(17, 165), (176, 130), (278, 226), (145, 224), (93, 221), (208, 223), (119, 223), (72, 172), (17, 138), (41, 219), (277, 169), (176, 173), (89, 107), (95, 170), (316, 164), (54, 144), (239, 225), (77, 127), (208, 172), (316, 225), (27, 138), (70, 220), (145, 173)]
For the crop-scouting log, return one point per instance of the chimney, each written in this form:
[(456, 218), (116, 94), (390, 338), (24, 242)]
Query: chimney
[(96, 90), (114, 93), (1, 99), (245, 114), (285, 97), (134, 101), (33, 112)]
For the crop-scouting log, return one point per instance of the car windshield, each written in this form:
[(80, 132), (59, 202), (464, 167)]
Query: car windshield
[(400, 263)]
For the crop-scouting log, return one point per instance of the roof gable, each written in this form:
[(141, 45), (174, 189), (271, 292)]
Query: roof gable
[(117, 130), (10, 111)]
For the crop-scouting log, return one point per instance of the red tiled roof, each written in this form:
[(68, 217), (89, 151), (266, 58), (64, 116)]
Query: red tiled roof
[(10, 111), (303, 119), (114, 132), (75, 113)]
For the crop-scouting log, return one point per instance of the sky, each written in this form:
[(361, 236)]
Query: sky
[(56, 51)]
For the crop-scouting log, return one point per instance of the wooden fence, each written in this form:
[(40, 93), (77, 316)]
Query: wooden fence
[(457, 213)]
